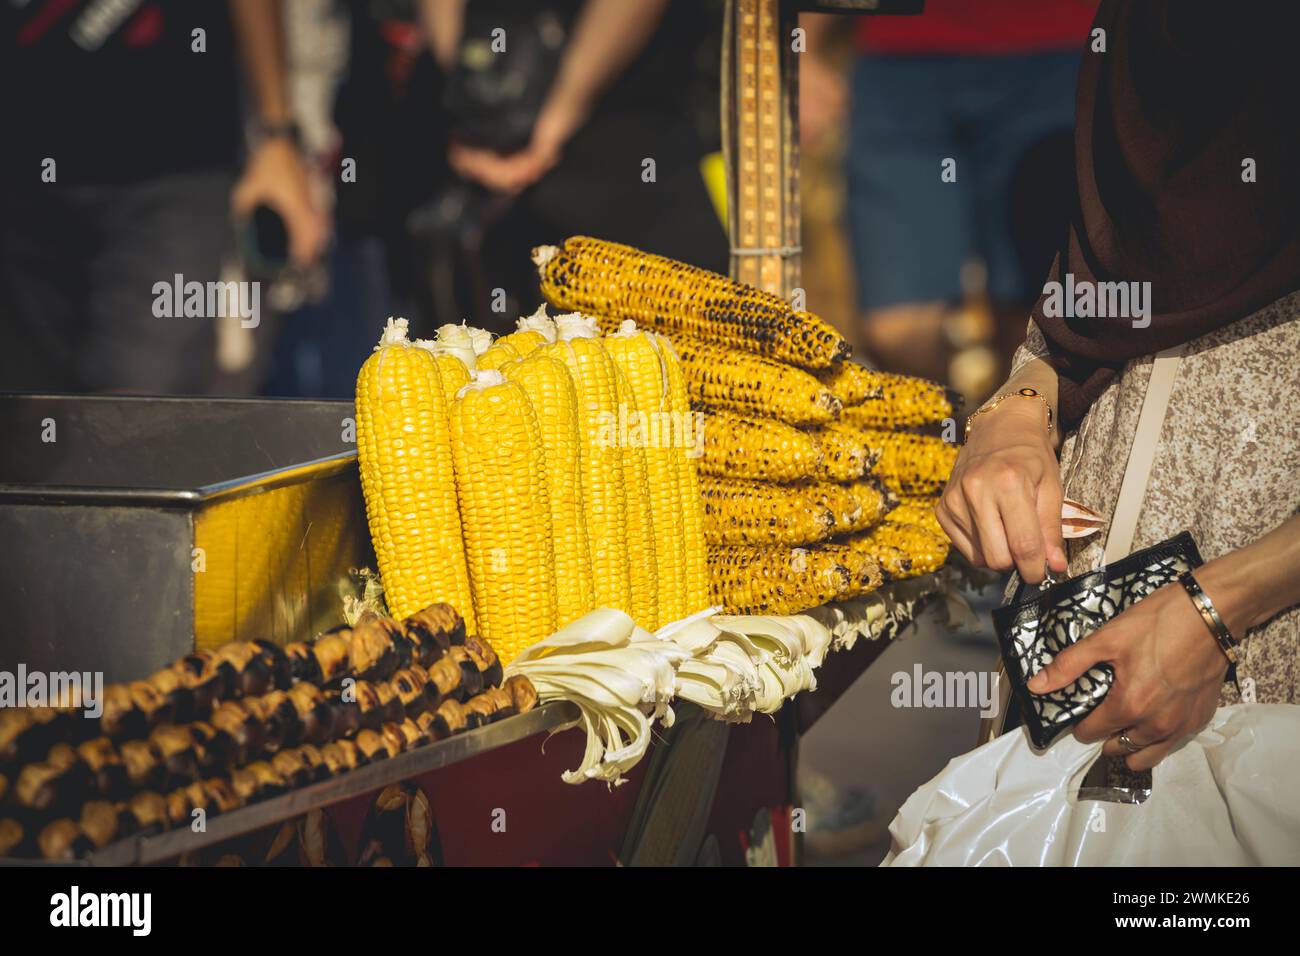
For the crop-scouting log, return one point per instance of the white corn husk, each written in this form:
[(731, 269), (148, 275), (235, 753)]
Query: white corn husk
[(619, 676), (539, 321)]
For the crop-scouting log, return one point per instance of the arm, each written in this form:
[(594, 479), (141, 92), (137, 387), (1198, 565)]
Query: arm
[(823, 89), (274, 174), (1168, 667), (607, 36), (444, 20)]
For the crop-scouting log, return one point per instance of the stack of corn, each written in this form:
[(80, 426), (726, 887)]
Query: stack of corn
[(531, 479), (818, 475)]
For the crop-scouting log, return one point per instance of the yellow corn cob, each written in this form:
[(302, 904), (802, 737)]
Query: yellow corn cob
[(908, 463), (505, 513), (638, 357), (739, 511), (405, 457), (550, 390), (852, 383), (497, 355), (617, 282), (759, 448), (603, 490), (688, 435), (845, 457), (732, 379), (876, 500), (453, 350), (864, 569), (917, 510), (775, 579), (523, 342), (903, 550), (640, 514), (905, 402)]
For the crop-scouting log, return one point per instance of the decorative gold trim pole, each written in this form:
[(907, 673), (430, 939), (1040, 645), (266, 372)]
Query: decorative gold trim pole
[(760, 142)]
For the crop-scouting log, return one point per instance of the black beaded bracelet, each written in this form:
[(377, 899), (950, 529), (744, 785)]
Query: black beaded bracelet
[(1210, 615)]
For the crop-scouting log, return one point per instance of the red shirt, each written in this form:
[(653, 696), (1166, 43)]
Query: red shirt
[(980, 27)]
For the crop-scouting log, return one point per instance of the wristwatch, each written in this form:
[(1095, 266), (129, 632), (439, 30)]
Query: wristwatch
[(285, 129), (997, 400)]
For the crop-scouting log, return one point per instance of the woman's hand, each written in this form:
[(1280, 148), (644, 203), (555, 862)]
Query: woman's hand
[(1002, 504), (1168, 673)]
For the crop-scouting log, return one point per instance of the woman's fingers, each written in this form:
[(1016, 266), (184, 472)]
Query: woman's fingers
[(1024, 537), (955, 521), (1072, 663), (1050, 497)]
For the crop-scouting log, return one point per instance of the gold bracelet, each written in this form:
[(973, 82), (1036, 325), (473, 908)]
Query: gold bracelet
[(997, 400)]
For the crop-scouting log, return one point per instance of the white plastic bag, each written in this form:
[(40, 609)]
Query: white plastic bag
[(1230, 796)]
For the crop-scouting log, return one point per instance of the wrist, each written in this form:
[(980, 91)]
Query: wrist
[(1229, 583)]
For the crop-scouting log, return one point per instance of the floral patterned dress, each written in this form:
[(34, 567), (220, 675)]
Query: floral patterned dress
[(1227, 468)]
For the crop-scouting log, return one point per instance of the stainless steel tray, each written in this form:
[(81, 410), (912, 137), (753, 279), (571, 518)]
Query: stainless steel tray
[(134, 529)]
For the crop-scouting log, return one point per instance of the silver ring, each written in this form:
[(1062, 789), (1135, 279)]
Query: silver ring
[(1126, 742)]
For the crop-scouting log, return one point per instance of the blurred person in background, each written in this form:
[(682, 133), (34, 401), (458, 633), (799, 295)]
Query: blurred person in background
[(592, 134), (120, 172), (958, 170)]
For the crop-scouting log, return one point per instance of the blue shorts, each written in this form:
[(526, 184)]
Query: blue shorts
[(1008, 123)]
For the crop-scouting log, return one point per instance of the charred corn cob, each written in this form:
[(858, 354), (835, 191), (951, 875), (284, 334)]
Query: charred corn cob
[(775, 579), (687, 445), (864, 569), (639, 359), (729, 378), (618, 282), (506, 513), (550, 390), (852, 383), (874, 498), (845, 456), (847, 512), (908, 463), (904, 402), (917, 510), (738, 511), (903, 550), (404, 451), (762, 449), (602, 465)]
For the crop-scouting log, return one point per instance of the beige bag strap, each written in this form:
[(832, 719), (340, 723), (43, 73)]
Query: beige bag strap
[(1142, 455)]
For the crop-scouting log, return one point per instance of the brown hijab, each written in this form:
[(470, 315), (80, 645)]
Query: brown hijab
[(1167, 118)]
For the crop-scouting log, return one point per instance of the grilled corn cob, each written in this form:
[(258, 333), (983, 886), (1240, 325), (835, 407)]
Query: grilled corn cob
[(550, 390), (852, 383), (404, 451), (908, 463), (687, 444), (638, 356), (775, 579), (759, 448), (917, 510), (904, 402), (506, 513), (618, 282), (732, 379), (603, 492), (864, 570), (845, 457), (903, 550), (738, 511)]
